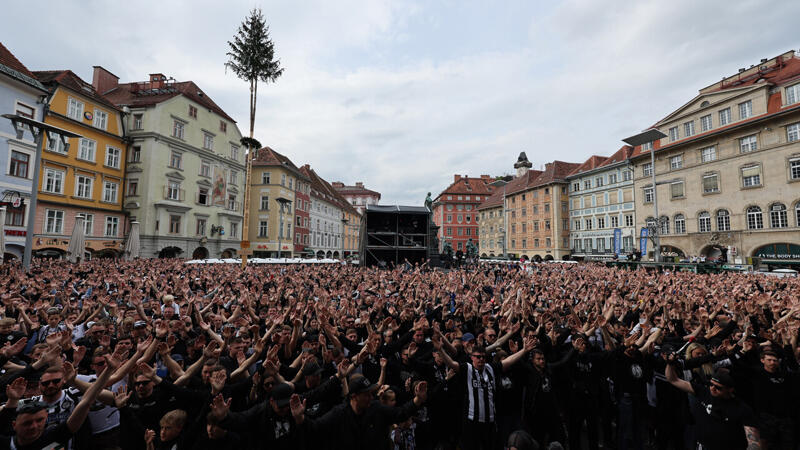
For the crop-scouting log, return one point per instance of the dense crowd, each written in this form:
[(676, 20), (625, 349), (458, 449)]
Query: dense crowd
[(157, 354)]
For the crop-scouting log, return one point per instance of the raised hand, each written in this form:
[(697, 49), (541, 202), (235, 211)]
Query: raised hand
[(220, 407), (10, 350), (121, 397), (298, 407), (16, 390), (421, 391), (69, 372)]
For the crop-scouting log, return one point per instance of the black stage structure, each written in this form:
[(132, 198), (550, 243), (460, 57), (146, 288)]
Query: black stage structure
[(393, 234)]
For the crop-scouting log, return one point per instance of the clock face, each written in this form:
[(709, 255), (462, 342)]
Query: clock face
[(87, 115)]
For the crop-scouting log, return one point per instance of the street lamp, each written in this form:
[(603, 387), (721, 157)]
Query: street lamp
[(644, 137), (283, 202), (38, 129)]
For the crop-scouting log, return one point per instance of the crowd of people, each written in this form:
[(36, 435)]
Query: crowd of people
[(158, 354)]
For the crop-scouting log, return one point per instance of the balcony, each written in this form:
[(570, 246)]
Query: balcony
[(173, 194)]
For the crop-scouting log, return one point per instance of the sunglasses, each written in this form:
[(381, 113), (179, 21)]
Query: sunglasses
[(54, 382), (479, 356), (141, 383), (717, 387)]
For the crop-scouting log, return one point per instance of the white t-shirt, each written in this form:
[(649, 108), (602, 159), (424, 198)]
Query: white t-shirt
[(101, 416)]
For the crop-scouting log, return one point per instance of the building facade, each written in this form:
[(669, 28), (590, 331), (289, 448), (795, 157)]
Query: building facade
[(455, 210), (302, 207), (273, 204), (728, 171), (357, 195), (602, 206), (326, 217), (185, 167), (491, 234), (85, 178), (21, 94)]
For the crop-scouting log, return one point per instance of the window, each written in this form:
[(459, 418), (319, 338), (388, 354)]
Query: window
[(200, 229), (449, 218), (88, 224), (723, 220), (748, 144), (664, 222), (53, 181), (708, 154), (647, 146), (234, 152), (777, 216), (135, 155), (174, 224), (110, 192), (468, 218), (710, 183), (797, 214), (177, 129), (208, 141), (751, 176), (629, 220), (587, 184), (86, 150), (263, 228), (673, 134), (547, 207), (614, 221), (688, 129), (54, 222), (755, 221), (74, 109), (192, 112), (203, 197), (205, 169), (264, 203), (174, 191), (598, 181), (547, 243), (223, 127), (138, 123), (524, 211), (112, 226), (793, 94), (83, 187), (745, 109), (705, 123), (265, 178), (676, 162), (100, 119), (55, 145), (794, 169), (724, 117), (676, 189), (647, 169), (704, 222), (234, 175), (283, 181), (113, 155), (601, 222), (133, 186), (536, 226), (19, 164), (25, 110), (600, 245), (576, 225), (588, 223), (546, 224), (680, 224), (648, 195), (232, 202), (175, 160), (627, 175), (524, 243), (576, 187), (612, 178)]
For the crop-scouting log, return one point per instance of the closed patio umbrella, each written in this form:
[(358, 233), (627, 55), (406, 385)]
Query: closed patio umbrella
[(131, 251), (77, 242)]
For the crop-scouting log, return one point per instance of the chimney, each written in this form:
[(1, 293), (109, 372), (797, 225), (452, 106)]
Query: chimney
[(157, 80), (337, 184), (456, 177), (103, 80), (359, 184)]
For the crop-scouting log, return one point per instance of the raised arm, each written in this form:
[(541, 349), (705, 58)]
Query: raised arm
[(81, 410), (672, 376), (527, 346)]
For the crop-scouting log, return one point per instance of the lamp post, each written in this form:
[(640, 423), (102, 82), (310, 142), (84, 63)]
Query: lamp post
[(283, 202), (38, 129), (644, 137)]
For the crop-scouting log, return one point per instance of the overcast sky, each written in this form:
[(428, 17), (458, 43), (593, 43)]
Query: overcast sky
[(401, 94)]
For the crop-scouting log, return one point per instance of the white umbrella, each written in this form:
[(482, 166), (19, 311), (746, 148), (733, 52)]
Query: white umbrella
[(77, 242), (132, 244), (2, 235)]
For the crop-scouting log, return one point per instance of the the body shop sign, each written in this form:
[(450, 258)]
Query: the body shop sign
[(779, 251)]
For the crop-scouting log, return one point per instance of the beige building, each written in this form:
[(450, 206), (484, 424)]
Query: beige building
[(490, 226), (727, 172)]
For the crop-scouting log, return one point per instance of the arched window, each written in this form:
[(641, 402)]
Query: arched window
[(723, 220), (704, 222), (680, 224), (777, 216), (664, 222), (755, 221)]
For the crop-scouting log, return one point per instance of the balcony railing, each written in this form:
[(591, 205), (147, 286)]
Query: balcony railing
[(176, 195)]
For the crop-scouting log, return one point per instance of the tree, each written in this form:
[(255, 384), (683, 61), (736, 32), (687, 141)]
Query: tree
[(252, 57)]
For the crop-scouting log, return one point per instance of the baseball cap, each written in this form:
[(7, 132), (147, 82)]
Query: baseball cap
[(467, 337), (139, 324), (30, 407), (359, 384), (281, 393), (177, 357), (724, 378)]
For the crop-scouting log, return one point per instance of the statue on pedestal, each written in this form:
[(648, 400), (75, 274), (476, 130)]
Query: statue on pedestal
[(429, 202)]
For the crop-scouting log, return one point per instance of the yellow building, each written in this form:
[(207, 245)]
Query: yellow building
[(84, 178)]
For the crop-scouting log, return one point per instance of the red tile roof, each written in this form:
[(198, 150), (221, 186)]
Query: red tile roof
[(493, 201), (69, 80), (601, 161), (141, 94), (17, 69), (593, 162), (355, 190), (267, 157), (469, 186), (521, 183), (322, 189)]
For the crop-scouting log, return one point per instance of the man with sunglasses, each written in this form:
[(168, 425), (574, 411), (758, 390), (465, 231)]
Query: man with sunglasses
[(58, 401), (722, 420)]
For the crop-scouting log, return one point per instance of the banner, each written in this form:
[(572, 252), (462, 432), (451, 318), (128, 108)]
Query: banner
[(643, 242), (219, 189), (617, 241)]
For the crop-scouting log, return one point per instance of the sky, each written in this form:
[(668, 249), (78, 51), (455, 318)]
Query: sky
[(403, 94)]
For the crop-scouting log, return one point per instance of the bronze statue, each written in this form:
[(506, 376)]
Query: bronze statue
[(429, 202)]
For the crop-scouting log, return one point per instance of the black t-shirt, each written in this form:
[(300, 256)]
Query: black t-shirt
[(53, 438), (720, 422)]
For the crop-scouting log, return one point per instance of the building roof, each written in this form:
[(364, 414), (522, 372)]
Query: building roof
[(523, 182), (397, 209), (355, 190), (597, 162), (69, 80), (267, 157), (322, 189), (555, 172), (12, 67), (593, 162), (469, 186), (493, 201), (142, 94)]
